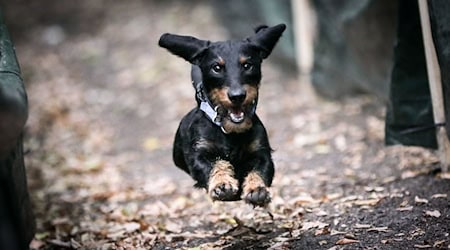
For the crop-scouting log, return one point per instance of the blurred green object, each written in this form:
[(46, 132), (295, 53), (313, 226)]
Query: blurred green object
[(13, 99), (353, 47), (17, 223), (409, 119)]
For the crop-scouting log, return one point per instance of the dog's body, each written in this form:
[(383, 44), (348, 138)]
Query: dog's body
[(222, 143)]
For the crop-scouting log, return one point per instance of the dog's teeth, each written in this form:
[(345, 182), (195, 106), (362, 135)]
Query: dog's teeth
[(237, 117)]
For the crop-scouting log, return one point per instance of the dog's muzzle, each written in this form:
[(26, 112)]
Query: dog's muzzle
[(217, 113)]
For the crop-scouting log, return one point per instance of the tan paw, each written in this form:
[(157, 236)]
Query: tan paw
[(222, 184), (255, 191)]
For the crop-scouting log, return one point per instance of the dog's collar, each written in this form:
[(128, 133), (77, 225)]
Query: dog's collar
[(206, 106), (210, 112)]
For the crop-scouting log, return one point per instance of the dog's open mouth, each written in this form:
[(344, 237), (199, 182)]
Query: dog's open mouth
[(236, 115)]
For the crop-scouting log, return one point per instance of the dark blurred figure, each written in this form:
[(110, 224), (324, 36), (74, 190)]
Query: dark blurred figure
[(17, 223), (409, 118), (353, 47)]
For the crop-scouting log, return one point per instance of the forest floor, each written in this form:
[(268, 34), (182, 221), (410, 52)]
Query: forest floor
[(105, 102)]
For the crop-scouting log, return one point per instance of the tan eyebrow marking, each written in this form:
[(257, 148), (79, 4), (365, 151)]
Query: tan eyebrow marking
[(221, 61), (243, 59)]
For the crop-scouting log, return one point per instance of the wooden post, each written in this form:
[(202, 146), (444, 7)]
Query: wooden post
[(304, 26), (434, 79), (301, 12)]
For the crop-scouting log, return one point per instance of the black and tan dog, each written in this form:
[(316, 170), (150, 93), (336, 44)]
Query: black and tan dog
[(222, 143)]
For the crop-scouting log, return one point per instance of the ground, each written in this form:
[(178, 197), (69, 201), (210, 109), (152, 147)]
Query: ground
[(105, 102)]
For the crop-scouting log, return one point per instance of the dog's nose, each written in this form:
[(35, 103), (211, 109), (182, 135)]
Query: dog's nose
[(237, 96)]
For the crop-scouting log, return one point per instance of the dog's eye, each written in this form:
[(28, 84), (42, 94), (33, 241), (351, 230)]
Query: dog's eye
[(247, 66), (217, 68)]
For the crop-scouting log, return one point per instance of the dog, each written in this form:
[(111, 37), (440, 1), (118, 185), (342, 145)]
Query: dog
[(221, 143)]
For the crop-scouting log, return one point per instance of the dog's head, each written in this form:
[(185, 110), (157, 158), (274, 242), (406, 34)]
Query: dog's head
[(231, 71)]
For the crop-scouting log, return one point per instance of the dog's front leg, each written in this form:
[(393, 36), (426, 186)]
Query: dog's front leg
[(257, 182), (216, 176), (222, 183)]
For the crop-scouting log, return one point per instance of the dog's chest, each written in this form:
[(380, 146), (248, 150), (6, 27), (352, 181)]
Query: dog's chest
[(233, 151), (230, 148)]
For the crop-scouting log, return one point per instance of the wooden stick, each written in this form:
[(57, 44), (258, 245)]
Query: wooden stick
[(435, 82), (303, 21), (304, 25)]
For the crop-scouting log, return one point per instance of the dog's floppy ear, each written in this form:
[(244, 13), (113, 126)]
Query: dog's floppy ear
[(266, 38), (187, 47)]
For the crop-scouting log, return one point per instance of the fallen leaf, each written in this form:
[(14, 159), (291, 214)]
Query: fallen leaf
[(284, 237), (389, 179), (346, 241), (349, 198), (173, 227), (410, 174), (294, 234), (444, 175), (322, 231), (231, 221), (41, 236), (323, 242), (102, 196), (131, 226), (36, 244), (435, 196), (369, 202), (335, 232), (378, 229), (115, 232), (416, 232), (433, 213), (321, 213), (422, 246), (362, 226), (86, 237), (331, 197), (404, 203), (417, 199), (316, 224), (438, 243), (350, 236), (374, 189), (402, 209)]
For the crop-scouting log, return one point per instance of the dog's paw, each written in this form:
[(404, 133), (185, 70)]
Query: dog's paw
[(224, 191), (255, 191), (259, 196), (222, 184)]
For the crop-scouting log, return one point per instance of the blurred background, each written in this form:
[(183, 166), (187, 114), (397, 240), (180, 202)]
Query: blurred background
[(96, 66), (105, 100)]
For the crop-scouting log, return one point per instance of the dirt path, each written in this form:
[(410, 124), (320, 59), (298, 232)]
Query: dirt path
[(104, 105)]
